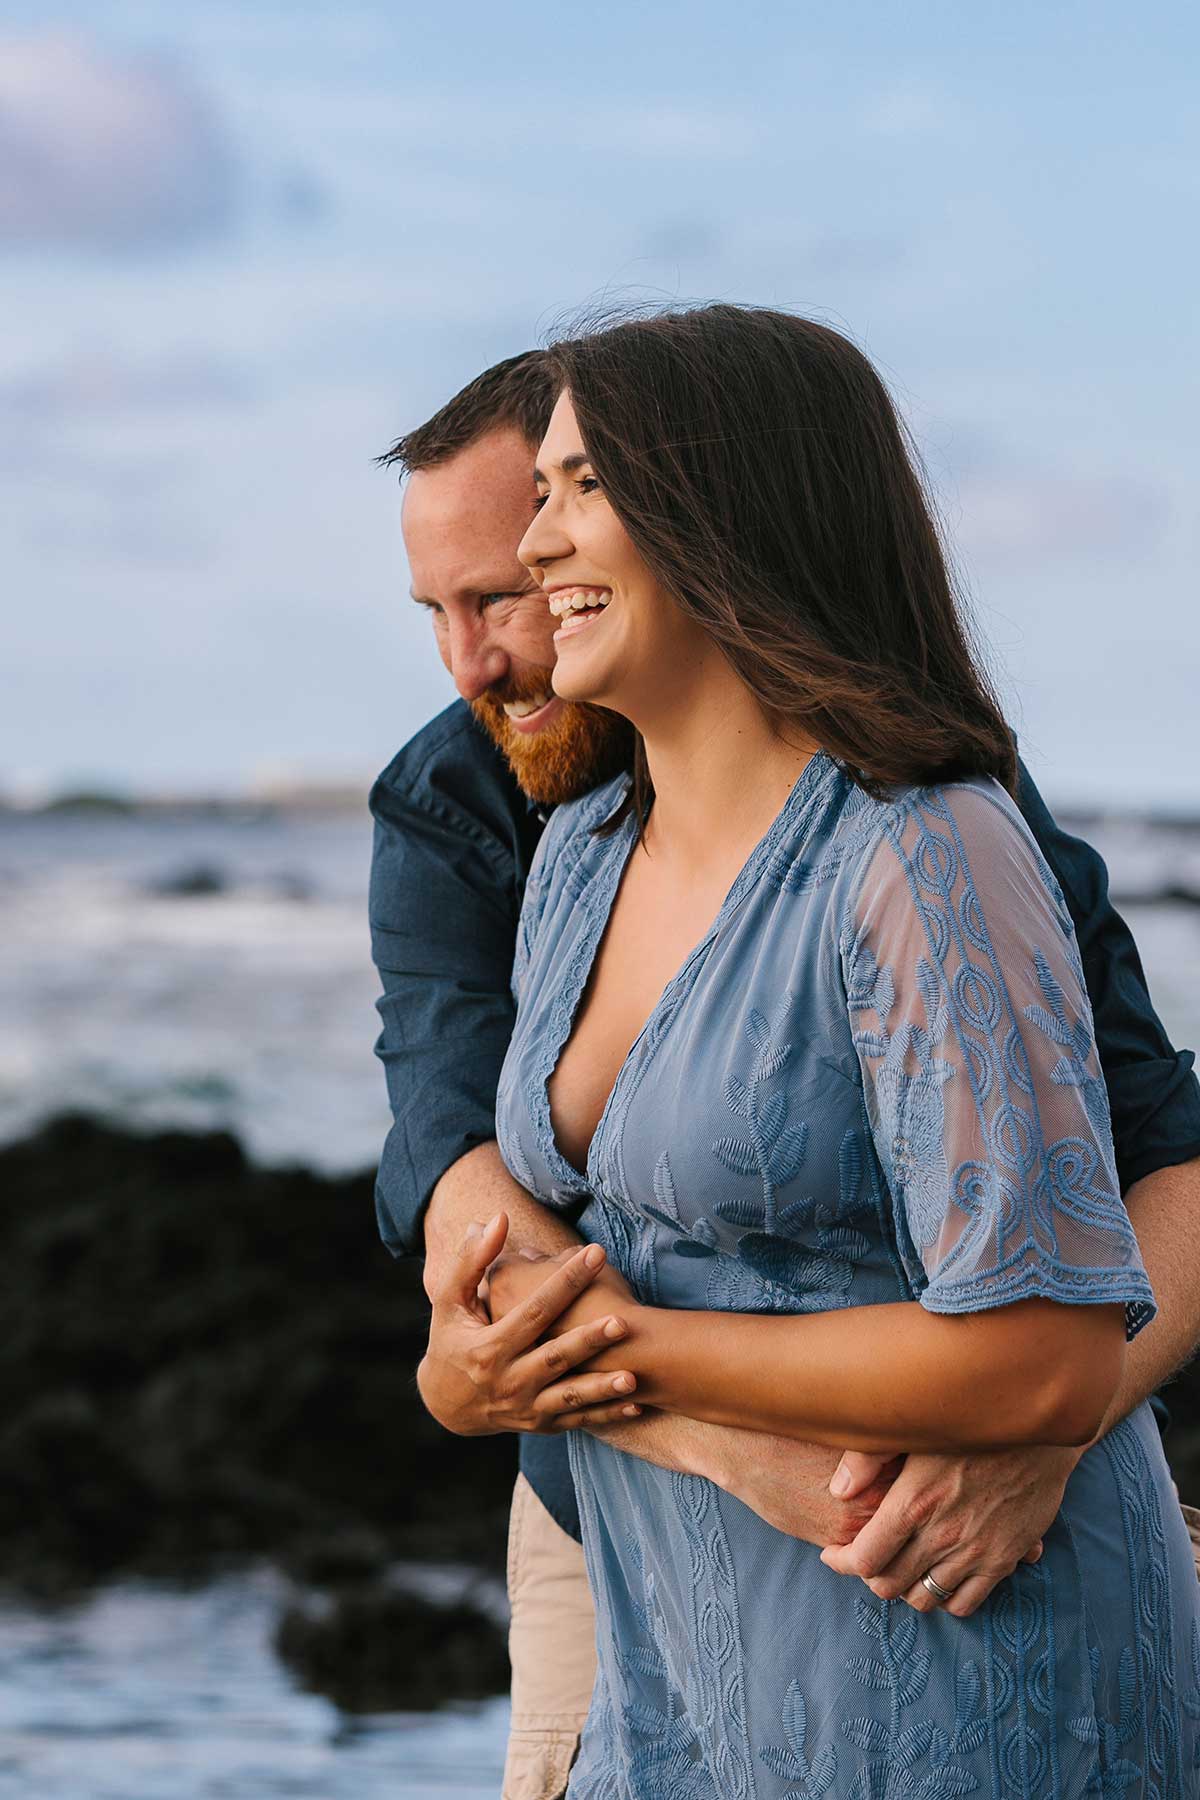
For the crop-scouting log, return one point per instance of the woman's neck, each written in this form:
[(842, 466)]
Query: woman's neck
[(721, 773)]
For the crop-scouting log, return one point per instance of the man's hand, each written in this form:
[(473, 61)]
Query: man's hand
[(966, 1520), (478, 1377)]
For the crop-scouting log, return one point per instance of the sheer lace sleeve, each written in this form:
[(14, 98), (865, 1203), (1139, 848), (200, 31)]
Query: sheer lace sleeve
[(983, 1087)]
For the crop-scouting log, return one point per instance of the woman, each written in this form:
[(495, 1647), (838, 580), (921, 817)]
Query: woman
[(802, 1029)]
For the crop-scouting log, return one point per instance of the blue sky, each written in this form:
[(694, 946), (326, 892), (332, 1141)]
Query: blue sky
[(243, 246)]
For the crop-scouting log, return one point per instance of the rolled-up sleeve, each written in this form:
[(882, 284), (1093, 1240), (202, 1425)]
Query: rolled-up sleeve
[(444, 902), (1153, 1095)]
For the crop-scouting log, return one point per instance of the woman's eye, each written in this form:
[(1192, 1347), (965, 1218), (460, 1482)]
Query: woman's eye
[(588, 484), (539, 500)]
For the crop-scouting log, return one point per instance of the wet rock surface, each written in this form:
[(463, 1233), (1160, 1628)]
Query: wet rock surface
[(205, 1362), (352, 1646)]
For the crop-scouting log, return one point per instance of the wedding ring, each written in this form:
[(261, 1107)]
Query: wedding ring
[(936, 1588)]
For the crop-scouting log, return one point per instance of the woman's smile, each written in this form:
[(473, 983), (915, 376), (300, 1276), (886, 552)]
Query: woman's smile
[(577, 606)]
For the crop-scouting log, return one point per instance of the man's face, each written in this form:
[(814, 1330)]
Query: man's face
[(462, 521)]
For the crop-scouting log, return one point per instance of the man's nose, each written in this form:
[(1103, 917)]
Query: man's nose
[(545, 541), (477, 662)]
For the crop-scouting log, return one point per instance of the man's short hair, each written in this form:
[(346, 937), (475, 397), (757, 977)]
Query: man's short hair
[(520, 391)]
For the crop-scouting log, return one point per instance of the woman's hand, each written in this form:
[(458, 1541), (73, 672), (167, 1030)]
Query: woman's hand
[(513, 1280), (491, 1376)]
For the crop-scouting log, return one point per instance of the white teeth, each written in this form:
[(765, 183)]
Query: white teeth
[(521, 709), (568, 600)]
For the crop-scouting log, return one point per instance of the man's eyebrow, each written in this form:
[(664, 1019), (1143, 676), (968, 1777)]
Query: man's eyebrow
[(568, 465)]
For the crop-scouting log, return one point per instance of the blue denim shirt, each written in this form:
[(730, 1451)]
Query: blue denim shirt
[(454, 839)]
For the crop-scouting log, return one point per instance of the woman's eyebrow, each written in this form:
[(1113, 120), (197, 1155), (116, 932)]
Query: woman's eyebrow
[(568, 465)]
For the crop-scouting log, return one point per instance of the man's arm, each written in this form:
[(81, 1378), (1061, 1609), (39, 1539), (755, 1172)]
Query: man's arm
[(475, 1188)]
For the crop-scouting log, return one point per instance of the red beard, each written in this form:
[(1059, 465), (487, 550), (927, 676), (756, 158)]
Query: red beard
[(583, 746)]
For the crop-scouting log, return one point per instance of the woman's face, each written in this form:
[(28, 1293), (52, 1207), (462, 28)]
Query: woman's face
[(620, 630)]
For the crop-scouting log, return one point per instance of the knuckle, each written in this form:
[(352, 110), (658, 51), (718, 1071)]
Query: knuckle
[(918, 1509), (533, 1312), (554, 1359), (572, 1398), (887, 1587)]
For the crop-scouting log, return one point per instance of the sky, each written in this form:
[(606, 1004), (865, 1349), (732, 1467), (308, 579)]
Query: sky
[(244, 246)]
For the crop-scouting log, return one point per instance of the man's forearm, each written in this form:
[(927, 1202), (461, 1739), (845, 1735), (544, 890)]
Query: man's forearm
[(783, 1480), (1165, 1211), (473, 1190)]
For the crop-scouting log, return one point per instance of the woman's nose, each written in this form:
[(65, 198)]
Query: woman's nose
[(545, 541)]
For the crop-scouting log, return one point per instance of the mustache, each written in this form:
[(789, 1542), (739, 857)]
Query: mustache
[(524, 686)]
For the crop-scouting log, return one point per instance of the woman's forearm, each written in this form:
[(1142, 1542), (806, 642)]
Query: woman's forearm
[(889, 1378)]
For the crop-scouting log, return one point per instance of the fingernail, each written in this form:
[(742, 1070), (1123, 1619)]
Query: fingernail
[(631, 1412), (492, 1222), (593, 1256), (841, 1482), (615, 1328), (623, 1383)]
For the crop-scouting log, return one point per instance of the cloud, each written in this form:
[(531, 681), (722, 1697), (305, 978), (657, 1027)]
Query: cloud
[(105, 152), (98, 383), (1012, 515)]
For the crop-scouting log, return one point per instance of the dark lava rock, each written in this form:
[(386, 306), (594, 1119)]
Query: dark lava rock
[(203, 1360), (381, 1649), (196, 882)]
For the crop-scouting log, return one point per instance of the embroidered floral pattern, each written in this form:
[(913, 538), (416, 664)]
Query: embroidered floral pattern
[(867, 1083)]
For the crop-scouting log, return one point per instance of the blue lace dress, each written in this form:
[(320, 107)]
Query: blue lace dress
[(873, 1080)]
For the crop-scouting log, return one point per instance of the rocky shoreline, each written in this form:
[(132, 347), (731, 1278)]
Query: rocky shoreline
[(206, 1363)]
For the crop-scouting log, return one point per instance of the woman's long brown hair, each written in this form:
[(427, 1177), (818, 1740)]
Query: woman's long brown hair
[(759, 466)]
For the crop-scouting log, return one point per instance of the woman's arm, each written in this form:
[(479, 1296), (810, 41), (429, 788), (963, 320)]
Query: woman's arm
[(891, 1378), (888, 1378)]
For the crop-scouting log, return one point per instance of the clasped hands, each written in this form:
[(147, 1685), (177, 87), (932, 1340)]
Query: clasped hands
[(492, 1366)]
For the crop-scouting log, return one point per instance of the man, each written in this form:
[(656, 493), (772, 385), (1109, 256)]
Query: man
[(458, 815)]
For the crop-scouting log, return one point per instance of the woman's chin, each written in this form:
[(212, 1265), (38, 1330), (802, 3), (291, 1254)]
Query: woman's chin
[(578, 684)]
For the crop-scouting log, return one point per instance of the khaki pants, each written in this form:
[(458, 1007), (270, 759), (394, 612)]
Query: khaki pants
[(551, 1644)]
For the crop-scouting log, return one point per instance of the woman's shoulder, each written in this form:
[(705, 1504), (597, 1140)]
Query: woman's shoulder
[(964, 842)]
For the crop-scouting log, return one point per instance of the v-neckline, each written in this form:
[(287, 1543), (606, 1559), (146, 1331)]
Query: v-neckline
[(608, 881)]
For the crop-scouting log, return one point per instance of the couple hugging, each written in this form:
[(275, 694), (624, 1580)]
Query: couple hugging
[(735, 972)]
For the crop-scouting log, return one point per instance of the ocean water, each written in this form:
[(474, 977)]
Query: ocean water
[(250, 1007), (148, 1692)]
